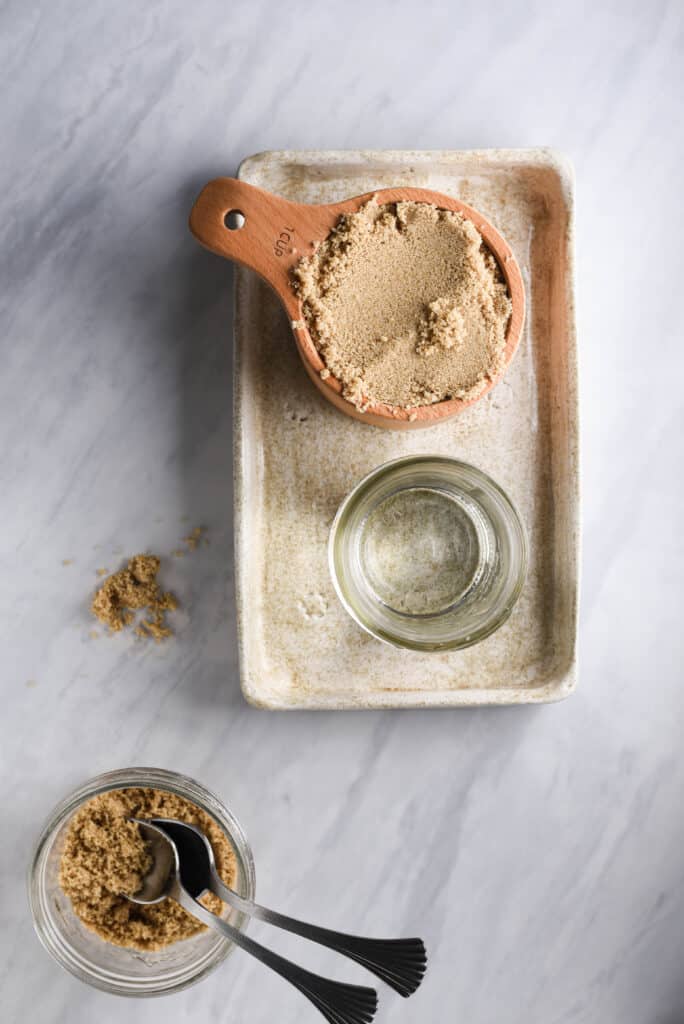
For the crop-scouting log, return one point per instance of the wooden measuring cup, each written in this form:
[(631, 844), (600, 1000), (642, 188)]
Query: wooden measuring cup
[(270, 235)]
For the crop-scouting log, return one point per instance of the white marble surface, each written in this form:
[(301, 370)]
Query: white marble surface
[(539, 851)]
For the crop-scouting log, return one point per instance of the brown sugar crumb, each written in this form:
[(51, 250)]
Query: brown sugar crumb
[(105, 857), (135, 589), (101, 572), (193, 539), (406, 305), (156, 626), (444, 325)]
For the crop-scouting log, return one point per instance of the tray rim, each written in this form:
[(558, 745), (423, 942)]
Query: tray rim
[(564, 682)]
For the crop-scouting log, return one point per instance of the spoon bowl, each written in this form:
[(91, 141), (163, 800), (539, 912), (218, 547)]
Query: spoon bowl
[(155, 884), (270, 235)]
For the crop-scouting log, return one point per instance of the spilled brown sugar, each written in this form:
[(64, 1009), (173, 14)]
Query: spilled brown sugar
[(406, 305), (105, 858), (132, 589), (194, 538)]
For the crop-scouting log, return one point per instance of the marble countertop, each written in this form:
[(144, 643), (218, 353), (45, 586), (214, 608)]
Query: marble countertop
[(537, 850)]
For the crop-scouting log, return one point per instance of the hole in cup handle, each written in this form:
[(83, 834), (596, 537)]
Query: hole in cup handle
[(234, 220)]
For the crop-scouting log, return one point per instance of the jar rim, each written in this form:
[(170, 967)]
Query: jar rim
[(363, 490)]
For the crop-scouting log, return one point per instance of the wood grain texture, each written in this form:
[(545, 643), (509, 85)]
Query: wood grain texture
[(276, 234)]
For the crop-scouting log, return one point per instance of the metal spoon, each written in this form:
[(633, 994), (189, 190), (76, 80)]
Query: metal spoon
[(400, 963), (339, 1003)]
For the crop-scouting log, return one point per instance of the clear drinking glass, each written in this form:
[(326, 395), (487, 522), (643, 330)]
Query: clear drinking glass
[(428, 553), (115, 969)]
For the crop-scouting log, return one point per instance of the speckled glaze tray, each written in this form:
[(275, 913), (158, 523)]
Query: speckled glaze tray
[(296, 457)]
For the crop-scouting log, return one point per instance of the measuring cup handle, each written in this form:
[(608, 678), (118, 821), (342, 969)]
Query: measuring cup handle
[(256, 228)]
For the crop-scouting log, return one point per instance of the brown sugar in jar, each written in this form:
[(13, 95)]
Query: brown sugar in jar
[(105, 857)]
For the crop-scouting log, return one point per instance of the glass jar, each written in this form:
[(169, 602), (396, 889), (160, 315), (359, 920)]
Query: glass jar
[(116, 969), (428, 553)]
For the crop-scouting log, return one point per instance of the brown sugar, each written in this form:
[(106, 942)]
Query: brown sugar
[(193, 539), (105, 857), (406, 305), (135, 589)]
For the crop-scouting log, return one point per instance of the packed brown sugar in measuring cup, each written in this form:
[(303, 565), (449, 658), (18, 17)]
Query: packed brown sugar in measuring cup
[(406, 305)]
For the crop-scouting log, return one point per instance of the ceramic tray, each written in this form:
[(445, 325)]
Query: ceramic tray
[(296, 457)]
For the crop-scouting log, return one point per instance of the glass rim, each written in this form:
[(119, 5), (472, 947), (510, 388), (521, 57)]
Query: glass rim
[(354, 498), (53, 940)]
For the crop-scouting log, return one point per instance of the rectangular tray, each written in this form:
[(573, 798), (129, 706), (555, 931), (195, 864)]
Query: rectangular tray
[(296, 457)]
